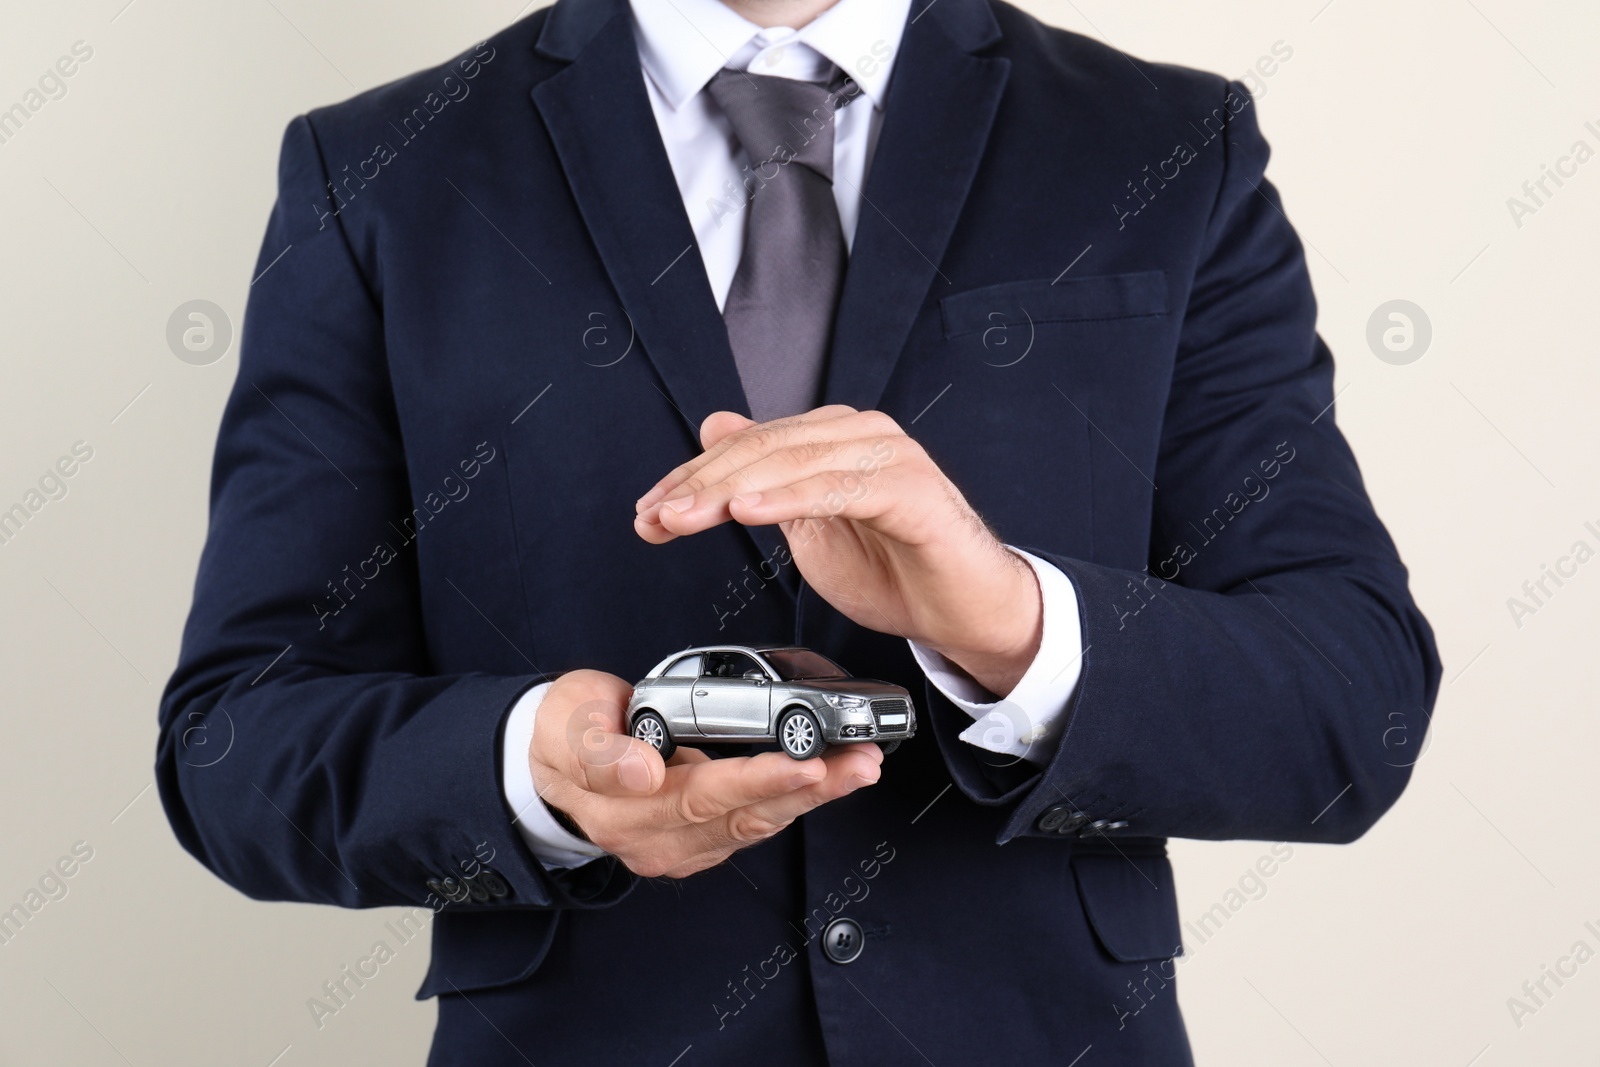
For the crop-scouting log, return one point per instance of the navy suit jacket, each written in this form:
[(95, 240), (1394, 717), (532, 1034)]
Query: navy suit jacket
[(482, 329)]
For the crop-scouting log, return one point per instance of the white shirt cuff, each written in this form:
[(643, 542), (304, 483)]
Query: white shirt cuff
[(554, 846), (1023, 724)]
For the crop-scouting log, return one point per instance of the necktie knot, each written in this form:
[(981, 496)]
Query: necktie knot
[(783, 120)]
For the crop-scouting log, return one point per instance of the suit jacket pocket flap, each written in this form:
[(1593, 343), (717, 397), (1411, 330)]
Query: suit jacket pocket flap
[(483, 949), (1131, 904), (1102, 296)]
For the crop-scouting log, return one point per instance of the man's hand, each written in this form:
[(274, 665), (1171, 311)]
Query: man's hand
[(874, 526), (678, 818)]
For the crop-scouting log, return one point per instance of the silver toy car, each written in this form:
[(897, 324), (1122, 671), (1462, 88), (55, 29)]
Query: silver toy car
[(747, 693)]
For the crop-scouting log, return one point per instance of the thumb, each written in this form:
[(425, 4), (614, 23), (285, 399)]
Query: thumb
[(617, 765), (720, 424), (580, 734)]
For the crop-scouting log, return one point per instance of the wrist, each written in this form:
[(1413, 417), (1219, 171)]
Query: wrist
[(1001, 637)]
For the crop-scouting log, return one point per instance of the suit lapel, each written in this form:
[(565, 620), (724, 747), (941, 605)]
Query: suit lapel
[(941, 104), (599, 119), (600, 122)]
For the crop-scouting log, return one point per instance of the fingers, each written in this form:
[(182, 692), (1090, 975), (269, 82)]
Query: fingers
[(650, 833), (686, 850), (743, 441), (719, 424), (621, 817), (701, 792), (849, 767), (813, 430), (749, 458), (845, 469), (830, 494)]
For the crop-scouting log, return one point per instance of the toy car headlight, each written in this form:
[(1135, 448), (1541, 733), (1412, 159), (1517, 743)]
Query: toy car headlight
[(839, 701)]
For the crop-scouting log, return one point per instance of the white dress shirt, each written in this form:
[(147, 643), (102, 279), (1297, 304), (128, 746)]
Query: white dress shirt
[(682, 44)]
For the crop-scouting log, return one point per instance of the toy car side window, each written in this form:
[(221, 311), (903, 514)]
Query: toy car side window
[(687, 667), (728, 664)]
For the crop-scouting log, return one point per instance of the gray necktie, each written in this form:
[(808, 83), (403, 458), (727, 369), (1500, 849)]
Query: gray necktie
[(780, 309)]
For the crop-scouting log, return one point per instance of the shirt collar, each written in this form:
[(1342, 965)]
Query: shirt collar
[(683, 43)]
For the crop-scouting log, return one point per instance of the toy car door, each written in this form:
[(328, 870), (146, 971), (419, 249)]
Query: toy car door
[(732, 697)]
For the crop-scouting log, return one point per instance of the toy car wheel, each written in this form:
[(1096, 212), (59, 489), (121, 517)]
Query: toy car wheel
[(890, 746), (652, 730), (799, 734)]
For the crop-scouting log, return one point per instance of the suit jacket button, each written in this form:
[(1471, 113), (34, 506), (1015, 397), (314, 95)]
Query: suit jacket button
[(437, 888), (479, 891), (495, 884), (842, 941), (1061, 819), (1103, 826), (1053, 818), (1074, 821)]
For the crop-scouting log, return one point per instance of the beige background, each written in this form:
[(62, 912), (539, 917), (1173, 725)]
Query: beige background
[(1400, 131)]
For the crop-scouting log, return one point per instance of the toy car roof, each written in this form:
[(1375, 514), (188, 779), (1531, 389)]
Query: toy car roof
[(768, 647)]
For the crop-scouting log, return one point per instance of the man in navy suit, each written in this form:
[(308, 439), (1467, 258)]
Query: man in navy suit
[(971, 353)]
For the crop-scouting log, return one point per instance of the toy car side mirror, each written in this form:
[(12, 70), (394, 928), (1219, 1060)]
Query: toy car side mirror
[(755, 676)]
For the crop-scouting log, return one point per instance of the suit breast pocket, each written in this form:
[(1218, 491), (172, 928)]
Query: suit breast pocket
[(1090, 298)]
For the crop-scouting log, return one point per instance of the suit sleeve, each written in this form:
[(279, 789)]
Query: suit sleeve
[(1249, 683), (319, 759)]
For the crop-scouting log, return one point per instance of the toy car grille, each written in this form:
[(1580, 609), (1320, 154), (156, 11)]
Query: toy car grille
[(880, 708)]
